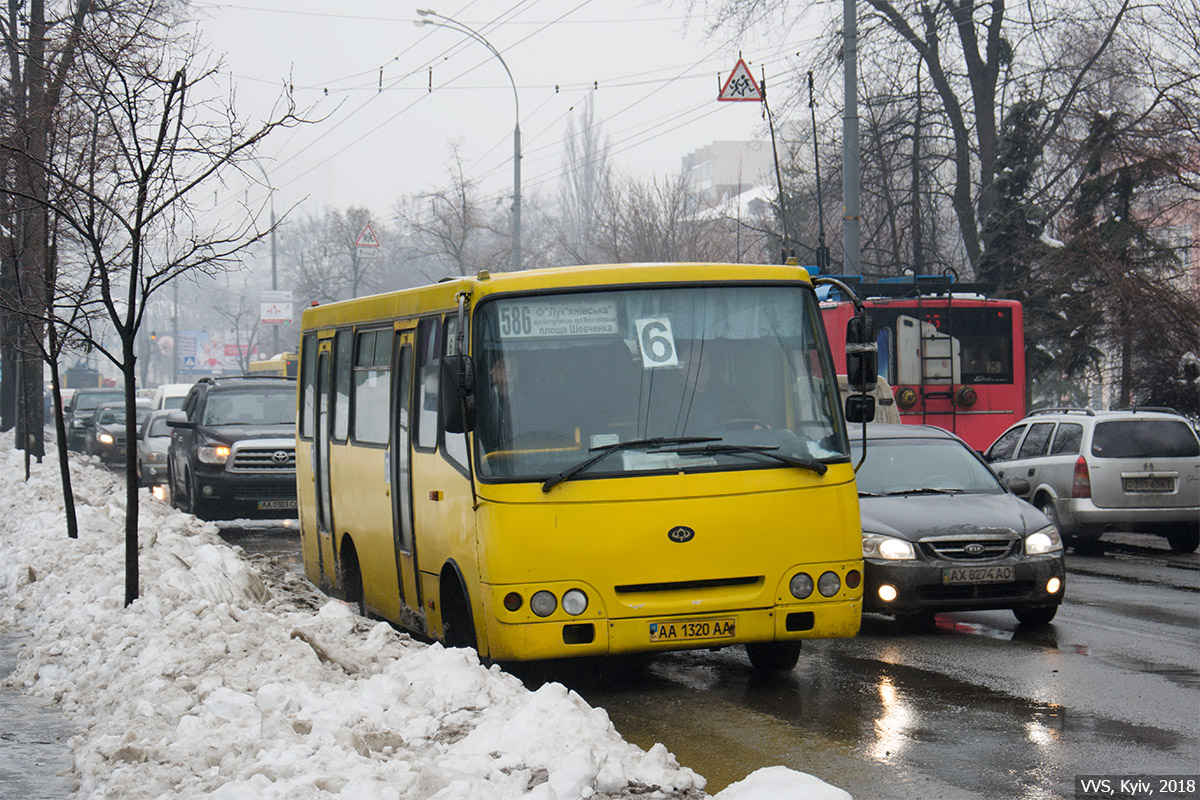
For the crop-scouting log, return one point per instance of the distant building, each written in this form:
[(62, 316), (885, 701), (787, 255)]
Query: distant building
[(724, 170)]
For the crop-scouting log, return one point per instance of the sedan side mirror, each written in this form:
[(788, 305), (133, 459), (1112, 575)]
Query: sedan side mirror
[(1018, 485)]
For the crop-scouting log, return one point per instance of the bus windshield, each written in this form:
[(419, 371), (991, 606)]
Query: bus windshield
[(667, 379)]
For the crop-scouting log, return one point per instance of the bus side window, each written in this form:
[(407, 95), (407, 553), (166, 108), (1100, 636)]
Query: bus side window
[(308, 385), (343, 353), (428, 356), (454, 445)]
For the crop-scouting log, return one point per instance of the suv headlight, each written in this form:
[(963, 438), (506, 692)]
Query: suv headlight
[(889, 548), (1044, 541), (213, 455)]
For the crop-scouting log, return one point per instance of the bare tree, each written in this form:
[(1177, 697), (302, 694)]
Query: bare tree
[(585, 182), (154, 143)]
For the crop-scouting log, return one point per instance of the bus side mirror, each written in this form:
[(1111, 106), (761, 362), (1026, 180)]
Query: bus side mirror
[(860, 408), (456, 394), (862, 356)]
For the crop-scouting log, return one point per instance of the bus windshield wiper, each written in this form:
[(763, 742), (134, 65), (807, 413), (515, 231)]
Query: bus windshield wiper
[(737, 449), (605, 450)]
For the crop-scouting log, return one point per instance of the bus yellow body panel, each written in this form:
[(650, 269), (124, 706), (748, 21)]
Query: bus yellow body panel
[(570, 519), (600, 535)]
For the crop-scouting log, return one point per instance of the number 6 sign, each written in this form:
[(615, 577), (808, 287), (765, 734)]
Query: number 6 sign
[(657, 343)]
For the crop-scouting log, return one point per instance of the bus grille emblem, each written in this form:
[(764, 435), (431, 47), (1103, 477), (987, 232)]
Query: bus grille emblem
[(680, 534)]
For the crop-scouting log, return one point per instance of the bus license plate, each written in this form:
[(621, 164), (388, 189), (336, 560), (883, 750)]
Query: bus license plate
[(977, 575), (1149, 484), (272, 505), (676, 631)]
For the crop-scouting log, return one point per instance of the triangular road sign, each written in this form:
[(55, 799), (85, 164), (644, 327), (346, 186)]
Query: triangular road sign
[(366, 238), (740, 85)]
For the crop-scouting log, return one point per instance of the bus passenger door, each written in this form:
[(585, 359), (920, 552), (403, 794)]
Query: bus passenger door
[(324, 495), (400, 478)]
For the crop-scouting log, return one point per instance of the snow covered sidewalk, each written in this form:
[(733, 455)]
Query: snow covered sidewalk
[(214, 685)]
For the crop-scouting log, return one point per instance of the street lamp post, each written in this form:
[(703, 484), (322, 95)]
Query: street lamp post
[(274, 280), (443, 21)]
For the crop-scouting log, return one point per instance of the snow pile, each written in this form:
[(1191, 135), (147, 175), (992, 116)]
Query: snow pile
[(214, 684)]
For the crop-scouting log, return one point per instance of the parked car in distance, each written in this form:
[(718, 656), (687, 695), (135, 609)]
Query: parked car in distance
[(170, 395), (1094, 471), (79, 412), (153, 440), (941, 533), (233, 448), (104, 435)]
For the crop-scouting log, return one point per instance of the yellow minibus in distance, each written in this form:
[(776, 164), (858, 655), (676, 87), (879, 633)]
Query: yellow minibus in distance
[(283, 365), (584, 460)]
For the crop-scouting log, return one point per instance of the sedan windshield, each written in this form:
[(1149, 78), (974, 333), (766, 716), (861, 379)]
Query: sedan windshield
[(663, 379), (914, 466)]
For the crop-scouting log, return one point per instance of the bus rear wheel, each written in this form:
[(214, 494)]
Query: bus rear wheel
[(350, 578), (773, 656)]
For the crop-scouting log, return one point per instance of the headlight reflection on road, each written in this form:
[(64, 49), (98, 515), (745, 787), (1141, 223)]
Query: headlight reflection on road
[(894, 723)]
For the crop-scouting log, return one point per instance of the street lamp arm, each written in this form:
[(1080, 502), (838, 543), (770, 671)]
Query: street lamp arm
[(442, 21), (455, 25)]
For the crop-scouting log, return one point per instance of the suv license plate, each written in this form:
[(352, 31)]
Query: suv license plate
[(689, 630), (977, 574), (1149, 484), (270, 505)]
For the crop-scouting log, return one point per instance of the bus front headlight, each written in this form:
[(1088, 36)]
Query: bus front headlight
[(543, 603), (575, 602)]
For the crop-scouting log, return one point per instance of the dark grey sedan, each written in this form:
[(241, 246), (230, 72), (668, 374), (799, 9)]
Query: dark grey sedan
[(941, 533)]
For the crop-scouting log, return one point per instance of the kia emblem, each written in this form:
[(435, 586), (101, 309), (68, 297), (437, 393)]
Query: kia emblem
[(974, 549), (280, 456), (680, 534)]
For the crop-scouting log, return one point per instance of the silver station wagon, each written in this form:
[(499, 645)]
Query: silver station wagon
[(1090, 471)]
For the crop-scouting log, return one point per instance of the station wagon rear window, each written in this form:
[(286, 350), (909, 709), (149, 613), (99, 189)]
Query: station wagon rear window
[(1144, 438)]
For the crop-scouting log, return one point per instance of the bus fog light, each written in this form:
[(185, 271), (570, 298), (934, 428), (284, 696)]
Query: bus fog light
[(829, 584), (1053, 585), (575, 602), (512, 601), (887, 593), (543, 603), (801, 585), (853, 578)]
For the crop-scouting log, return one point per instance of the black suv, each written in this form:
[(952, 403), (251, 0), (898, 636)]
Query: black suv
[(233, 449)]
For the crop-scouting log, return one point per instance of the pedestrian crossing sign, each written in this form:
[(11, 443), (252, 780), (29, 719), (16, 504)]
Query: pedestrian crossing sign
[(740, 85)]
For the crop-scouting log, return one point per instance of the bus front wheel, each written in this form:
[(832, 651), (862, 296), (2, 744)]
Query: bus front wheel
[(458, 630), (774, 656)]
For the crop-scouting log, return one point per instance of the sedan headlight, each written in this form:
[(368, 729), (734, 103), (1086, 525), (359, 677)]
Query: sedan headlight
[(154, 457), (1044, 541), (888, 548), (105, 438), (213, 455)]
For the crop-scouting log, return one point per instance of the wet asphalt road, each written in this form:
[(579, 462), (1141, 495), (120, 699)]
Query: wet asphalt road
[(977, 707)]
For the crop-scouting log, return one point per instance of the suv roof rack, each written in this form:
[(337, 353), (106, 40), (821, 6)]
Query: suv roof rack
[(1063, 410), (215, 378), (1160, 409)]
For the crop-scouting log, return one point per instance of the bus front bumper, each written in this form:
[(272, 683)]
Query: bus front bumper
[(568, 638)]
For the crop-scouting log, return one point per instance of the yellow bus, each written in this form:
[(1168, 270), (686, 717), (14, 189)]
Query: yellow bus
[(583, 460), (283, 365)]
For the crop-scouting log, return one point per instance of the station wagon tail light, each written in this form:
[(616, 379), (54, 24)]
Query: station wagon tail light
[(1081, 486), (213, 455)]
